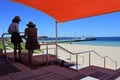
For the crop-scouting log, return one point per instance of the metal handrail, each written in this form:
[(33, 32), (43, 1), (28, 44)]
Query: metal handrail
[(103, 57), (4, 48), (65, 50), (71, 53), (112, 61), (108, 58), (97, 54)]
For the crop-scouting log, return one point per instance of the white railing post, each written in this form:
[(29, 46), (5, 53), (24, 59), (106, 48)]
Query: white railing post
[(43, 54), (70, 57), (104, 62), (77, 62), (47, 54), (116, 65), (89, 58), (4, 47)]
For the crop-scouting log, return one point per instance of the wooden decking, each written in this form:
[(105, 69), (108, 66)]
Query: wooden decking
[(37, 59), (100, 73), (56, 72), (52, 72)]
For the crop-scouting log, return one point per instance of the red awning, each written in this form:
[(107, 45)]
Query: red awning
[(65, 10)]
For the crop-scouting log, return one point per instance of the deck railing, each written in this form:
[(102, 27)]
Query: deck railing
[(89, 52), (67, 51), (3, 40)]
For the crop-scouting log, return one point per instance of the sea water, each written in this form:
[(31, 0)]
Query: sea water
[(100, 41)]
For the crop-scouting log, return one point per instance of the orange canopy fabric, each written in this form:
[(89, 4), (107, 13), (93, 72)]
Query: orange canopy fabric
[(65, 10)]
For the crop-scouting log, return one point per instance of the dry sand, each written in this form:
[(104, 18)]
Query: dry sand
[(83, 59), (111, 52)]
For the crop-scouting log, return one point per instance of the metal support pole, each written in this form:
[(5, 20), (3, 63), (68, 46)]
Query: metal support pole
[(104, 62), (116, 65), (70, 58), (56, 39), (89, 59), (44, 54), (47, 54), (4, 48), (77, 62), (83, 60)]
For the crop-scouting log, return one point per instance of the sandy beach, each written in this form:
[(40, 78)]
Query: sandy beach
[(112, 52), (83, 59)]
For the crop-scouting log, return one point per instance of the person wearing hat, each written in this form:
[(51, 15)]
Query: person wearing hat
[(30, 34), (15, 37)]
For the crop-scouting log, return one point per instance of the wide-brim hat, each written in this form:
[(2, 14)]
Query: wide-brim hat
[(30, 23)]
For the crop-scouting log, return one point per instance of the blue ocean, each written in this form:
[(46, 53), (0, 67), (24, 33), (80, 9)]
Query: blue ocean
[(100, 41)]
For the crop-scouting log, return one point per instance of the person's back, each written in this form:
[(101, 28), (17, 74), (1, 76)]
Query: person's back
[(13, 28), (31, 40), (15, 37), (32, 33)]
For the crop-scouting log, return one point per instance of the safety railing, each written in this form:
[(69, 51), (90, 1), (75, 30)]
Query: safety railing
[(3, 41), (89, 52), (107, 57), (7, 36), (70, 53), (67, 51), (46, 50)]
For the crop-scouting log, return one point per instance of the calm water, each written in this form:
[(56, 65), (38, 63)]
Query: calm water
[(101, 41)]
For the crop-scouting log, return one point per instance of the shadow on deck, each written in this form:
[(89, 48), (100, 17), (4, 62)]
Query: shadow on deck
[(50, 71)]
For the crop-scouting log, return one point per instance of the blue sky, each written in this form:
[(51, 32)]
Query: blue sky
[(103, 25)]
